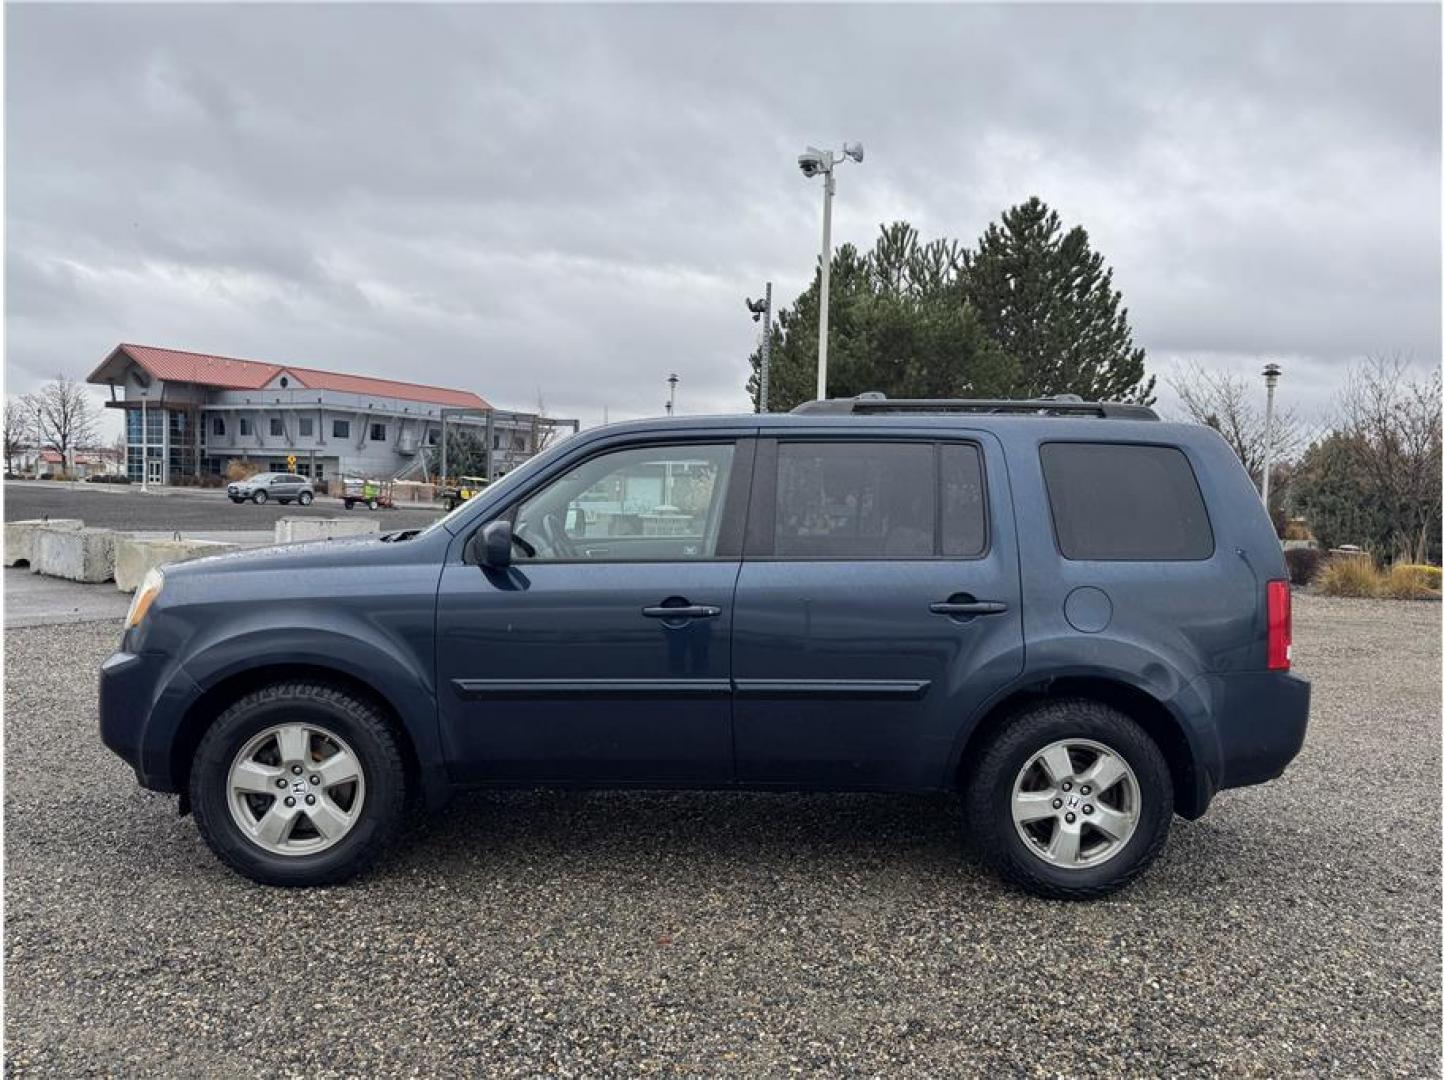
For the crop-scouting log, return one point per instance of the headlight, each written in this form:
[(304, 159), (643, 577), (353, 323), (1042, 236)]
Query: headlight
[(144, 597)]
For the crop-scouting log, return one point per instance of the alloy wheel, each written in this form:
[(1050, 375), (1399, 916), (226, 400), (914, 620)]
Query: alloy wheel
[(1076, 803), (295, 789)]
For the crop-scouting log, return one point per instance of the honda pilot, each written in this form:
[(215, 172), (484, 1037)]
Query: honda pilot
[(1074, 615)]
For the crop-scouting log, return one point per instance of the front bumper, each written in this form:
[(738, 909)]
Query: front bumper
[(143, 699)]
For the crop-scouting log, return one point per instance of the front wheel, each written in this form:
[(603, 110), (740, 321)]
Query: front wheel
[(1071, 799), (237, 500), (298, 783)]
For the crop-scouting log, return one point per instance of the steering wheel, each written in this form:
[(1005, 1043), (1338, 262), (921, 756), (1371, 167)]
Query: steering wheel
[(556, 537)]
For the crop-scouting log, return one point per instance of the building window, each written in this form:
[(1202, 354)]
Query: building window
[(378, 432), (433, 437), (306, 425), (218, 425), (277, 428), (340, 429), (245, 426)]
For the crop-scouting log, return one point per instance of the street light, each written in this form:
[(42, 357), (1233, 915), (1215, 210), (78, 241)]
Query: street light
[(812, 163), (1271, 379), (672, 381)]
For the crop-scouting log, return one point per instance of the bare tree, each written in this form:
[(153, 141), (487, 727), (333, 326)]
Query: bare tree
[(64, 417), (1394, 421), (1234, 407), (19, 430), (544, 432)]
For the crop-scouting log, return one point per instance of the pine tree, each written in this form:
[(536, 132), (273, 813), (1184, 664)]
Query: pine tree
[(1046, 298), (899, 323)]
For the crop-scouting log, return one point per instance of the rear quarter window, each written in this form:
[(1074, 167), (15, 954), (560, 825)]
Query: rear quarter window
[(1119, 501)]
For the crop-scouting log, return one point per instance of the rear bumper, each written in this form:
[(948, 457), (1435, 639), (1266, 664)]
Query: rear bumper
[(1260, 718)]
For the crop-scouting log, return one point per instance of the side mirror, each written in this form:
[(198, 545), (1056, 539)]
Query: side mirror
[(495, 545)]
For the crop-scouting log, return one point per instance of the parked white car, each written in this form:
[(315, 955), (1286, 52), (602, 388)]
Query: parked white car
[(283, 487)]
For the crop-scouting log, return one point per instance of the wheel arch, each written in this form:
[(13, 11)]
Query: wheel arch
[(1193, 785), (214, 700)]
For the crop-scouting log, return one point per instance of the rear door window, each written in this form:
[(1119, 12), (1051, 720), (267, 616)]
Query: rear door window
[(876, 500), (1117, 501), (964, 514)]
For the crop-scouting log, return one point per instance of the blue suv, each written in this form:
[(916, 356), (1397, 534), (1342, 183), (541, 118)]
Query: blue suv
[(1073, 614)]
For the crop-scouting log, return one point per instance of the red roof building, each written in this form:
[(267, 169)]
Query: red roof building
[(189, 413)]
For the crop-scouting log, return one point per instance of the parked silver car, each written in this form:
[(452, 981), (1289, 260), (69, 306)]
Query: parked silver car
[(283, 487)]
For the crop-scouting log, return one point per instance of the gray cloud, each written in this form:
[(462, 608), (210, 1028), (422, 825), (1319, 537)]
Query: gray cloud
[(573, 201)]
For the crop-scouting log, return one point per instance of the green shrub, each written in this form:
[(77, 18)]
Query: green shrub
[(1351, 575)]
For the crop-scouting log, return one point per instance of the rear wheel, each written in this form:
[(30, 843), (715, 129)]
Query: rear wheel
[(1071, 799), (304, 498), (259, 497), (299, 783), (372, 504)]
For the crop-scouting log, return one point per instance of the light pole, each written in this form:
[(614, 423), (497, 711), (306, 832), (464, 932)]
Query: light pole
[(672, 381), (1271, 379), (762, 312), (812, 163)]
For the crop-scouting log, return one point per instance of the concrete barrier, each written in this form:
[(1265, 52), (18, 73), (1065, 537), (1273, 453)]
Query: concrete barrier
[(20, 537), (77, 554), (136, 556), (295, 530)]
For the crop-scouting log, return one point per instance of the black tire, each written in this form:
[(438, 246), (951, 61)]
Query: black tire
[(450, 505), (259, 497), (350, 503), (237, 500), (356, 721), (989, 792), (304, 498)]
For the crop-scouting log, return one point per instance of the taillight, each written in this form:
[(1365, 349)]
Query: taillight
[(1281, 626)]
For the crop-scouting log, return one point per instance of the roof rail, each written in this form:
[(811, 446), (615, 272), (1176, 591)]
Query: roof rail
[(873, 403)]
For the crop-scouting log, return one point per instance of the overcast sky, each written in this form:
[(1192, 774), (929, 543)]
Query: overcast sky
[(573, 202)]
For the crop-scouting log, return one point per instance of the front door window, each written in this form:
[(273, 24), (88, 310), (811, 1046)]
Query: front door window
[(646, 503), (155, 471)]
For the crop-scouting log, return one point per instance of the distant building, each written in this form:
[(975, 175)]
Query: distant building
[(85, 462), (188, 414)]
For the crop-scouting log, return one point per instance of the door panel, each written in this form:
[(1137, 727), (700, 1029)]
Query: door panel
[(845, 674), (601, 656), (552, 673)]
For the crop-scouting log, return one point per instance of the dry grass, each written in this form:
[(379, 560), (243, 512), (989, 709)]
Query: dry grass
[(1359, 577), (1351, 576), (1412, 581), (241, 470)]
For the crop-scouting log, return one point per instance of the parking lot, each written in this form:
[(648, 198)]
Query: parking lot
[(127, 507), (1292, 931)]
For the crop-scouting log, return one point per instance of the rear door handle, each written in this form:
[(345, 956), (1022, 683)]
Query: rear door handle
[(968, 607), (688, 611)]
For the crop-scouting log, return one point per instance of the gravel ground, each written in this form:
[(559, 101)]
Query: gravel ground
[(1294, 930), (128, 508)]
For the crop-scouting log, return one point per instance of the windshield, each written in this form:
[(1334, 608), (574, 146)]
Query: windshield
[(500, 487)]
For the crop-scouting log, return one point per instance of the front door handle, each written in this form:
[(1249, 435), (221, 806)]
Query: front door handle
[(685, 611), (968, 607)]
